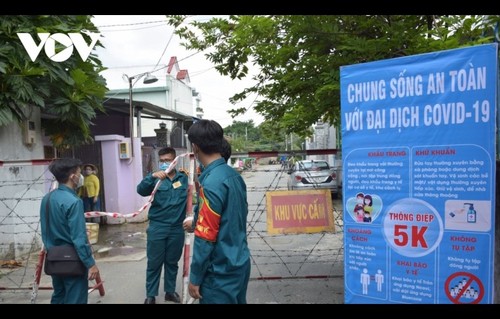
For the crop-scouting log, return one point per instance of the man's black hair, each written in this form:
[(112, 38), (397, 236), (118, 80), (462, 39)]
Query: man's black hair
[(208, 135), (226, 150), (167, 150), (62, 168)]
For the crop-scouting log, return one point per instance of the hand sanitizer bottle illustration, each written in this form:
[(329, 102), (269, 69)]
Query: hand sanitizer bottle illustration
[(471, 213)]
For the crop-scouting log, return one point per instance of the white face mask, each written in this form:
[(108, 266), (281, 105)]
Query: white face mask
[(80, 182)]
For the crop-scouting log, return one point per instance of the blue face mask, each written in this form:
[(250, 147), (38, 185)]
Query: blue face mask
[(163, 166)]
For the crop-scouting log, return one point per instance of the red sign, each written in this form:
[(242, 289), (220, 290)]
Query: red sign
[(304, 211), (458, 288)]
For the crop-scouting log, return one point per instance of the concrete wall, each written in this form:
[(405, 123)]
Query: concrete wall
[(22, 186), (182, 96), (122, 177)]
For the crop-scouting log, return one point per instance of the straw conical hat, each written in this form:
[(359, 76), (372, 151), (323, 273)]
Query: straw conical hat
[(94, 168)]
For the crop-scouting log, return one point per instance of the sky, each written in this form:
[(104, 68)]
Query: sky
[(134, 44)]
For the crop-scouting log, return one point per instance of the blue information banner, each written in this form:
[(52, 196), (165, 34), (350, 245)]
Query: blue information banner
[(418, 149)]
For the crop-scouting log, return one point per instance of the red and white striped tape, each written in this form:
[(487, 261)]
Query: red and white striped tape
[(26, 162)]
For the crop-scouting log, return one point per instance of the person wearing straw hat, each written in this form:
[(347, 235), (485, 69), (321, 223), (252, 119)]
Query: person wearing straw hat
[(90, 190)]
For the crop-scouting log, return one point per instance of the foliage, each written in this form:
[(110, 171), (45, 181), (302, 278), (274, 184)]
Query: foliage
[(247, 130), (299, 56), (242, 135), (68, 93), (245, 137)]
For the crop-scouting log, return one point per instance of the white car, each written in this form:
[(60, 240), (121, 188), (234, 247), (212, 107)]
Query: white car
[(313, 174)]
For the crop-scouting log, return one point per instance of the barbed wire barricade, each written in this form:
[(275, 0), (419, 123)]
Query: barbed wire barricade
[(22, 186), (289, 256)]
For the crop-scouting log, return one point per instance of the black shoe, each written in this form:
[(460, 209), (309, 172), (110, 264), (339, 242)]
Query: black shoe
[(172, 296), (150, 301)]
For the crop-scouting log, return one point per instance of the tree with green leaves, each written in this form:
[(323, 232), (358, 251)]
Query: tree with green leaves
[(299, 56), (68, 93), (246, 137)]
